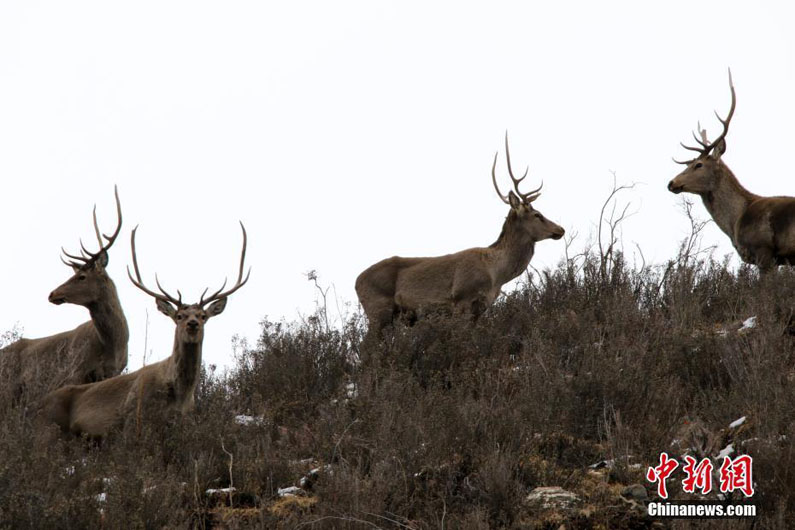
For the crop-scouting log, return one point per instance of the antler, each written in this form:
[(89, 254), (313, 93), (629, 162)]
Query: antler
[(87, 257), (706, 146), (526, 197), (164, 297), (240, 281)]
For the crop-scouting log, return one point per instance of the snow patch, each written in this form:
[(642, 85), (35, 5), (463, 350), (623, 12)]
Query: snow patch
[(290, 491), (219, 491), (242, 419), (749, 323), (726, 451)]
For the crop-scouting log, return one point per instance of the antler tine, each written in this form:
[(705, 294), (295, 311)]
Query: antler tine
[(212, 296), (696, 149), (139, 282), (70, 263), (112, 238), (728, 119), (510, 170), (529, 196), (89, 257), (177, 301), (706, 145), (703, 142), (80, 258), (494, 180), (96, 226), (703, 133), (533, 195), (240, 280)]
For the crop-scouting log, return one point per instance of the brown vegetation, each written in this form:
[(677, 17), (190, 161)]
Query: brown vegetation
[(451, 425)]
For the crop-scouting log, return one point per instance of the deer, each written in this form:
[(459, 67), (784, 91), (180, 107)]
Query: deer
[(466, 282), (168, 386), (94, 350), (762, 229)]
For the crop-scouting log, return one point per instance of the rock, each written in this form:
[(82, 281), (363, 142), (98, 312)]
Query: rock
[(636, 492), (549, 497)]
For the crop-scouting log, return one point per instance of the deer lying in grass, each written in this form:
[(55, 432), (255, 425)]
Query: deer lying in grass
[(762, 229), (467, 281), (93, 351), (169, 385)]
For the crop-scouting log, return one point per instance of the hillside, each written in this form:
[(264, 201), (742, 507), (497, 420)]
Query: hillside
[(578, 379)]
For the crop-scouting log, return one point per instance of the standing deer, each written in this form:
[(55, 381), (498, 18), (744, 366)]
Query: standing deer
[(467, 281), (94, 350), (762, 229), (167, 386)]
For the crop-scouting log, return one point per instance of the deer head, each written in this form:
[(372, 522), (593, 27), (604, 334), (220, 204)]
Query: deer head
[(528, 218), (90, 281), (704, 172), (189, 318)]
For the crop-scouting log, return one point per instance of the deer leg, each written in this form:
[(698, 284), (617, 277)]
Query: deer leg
[(765, 259), (479, 306), (379, 316)]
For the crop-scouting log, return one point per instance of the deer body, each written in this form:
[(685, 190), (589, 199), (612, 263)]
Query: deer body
[(92, 351), (467, 281), (96, 408), (762, 229), (167, 386)]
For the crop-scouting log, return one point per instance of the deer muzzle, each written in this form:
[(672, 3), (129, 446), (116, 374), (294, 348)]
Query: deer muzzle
[(56, 298)]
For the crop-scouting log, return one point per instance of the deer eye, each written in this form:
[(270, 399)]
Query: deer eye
[(538, 215), (698, 165), (81, 277), (179, 316)]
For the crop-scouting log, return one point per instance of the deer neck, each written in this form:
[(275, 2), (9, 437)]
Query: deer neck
[(512, 251), (186, 363), (108, 318), (727, 202)]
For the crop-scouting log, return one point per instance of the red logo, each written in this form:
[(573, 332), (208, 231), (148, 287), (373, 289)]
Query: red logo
[(737, 475), (698, 476), (734, 474), (660, 473)]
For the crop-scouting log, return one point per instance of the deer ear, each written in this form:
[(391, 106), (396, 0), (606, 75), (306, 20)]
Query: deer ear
[(102, 260), (719, 149), (217, 307), (166, 308), (514, 200)]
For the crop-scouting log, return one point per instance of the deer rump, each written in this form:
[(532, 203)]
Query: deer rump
[(766, 231)]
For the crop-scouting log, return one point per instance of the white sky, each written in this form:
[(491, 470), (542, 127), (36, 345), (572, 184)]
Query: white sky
[(343, 132)]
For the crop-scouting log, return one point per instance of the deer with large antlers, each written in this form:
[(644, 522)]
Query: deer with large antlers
[(762, 229), (467, 281), (169, 385), (93, 351)]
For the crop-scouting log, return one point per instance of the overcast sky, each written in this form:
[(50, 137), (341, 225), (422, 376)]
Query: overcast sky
[(344, 132)]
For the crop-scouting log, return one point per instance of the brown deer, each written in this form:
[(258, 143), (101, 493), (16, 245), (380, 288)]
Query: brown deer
[(762, 229), (94, 350), (467, 281), (167, 386)]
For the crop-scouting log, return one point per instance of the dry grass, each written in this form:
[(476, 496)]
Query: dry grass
[(451, 424)]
